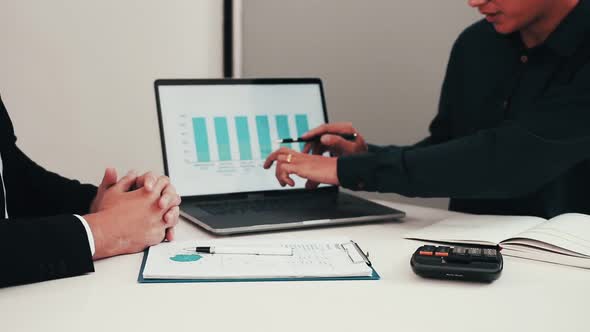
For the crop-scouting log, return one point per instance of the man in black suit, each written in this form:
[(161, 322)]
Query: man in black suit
[(53, 227)]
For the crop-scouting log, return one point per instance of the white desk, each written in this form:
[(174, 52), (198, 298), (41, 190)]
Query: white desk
[(529, 296)]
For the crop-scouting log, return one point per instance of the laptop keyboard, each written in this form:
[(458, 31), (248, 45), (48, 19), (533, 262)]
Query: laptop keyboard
[(262, 205)]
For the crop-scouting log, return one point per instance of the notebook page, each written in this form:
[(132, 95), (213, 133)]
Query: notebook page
[(475, 229), (534, 245), (310, 259), (530, 253), (569, 231)]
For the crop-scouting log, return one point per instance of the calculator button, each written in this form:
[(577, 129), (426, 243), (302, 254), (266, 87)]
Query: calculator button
[(442, 251), (459, 251), (490, 252), (427, 250), (475, 251), (459, 255)]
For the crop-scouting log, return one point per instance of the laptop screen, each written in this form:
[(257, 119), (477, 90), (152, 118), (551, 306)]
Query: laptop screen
[(216, 134)]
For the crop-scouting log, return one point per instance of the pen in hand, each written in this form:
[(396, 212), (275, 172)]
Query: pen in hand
[(348, 137)]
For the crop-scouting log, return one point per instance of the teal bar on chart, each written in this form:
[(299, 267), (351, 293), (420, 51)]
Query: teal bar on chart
[(201, 140), (243, 138), (302, 127), (222, 136), (283, 128), (263, 129)]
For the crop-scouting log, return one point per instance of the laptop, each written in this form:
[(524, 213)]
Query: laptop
[(216, 134)]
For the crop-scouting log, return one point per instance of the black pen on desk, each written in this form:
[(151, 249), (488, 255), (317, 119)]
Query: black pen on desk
[(348, 137), (261, 251)]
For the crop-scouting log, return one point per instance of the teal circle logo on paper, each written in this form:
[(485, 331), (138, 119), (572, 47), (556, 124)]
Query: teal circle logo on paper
[(186, 258)]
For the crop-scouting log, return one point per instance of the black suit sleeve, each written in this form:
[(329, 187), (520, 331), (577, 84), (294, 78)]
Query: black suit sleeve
[(32, 191), (42, 239), (40, 249)]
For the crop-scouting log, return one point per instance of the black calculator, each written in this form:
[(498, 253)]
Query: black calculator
[(474, 263)]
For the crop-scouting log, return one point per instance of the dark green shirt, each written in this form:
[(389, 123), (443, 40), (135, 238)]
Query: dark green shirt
[(512, 133)]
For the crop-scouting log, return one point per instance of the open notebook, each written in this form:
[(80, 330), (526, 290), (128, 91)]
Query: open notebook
[(331, 259), (564, 239)]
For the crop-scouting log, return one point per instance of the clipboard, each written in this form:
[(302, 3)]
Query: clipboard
[(354, 252)]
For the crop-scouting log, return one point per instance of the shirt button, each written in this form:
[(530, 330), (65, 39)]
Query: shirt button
[(524, 59), (360, 185), (505, 104)]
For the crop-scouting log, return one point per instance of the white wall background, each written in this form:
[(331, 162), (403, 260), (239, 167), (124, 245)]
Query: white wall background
[(382, 61), (77, 76)]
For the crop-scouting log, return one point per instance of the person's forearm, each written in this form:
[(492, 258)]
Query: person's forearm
[(374, 148), (499, 163), (106, 242), (41, 249), (428, 141), (53, 194)]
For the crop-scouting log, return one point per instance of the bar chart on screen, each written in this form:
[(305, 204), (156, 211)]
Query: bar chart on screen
[(241, 139), (217, 137)]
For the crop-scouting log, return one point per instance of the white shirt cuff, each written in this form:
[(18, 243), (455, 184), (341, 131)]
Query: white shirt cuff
[(88, 233)]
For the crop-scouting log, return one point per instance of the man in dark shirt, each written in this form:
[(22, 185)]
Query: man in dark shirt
[(512, 133)]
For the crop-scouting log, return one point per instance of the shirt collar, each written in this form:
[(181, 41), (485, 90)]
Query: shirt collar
[(572, 31)]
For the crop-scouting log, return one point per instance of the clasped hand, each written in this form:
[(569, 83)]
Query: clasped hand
[(132, 213)]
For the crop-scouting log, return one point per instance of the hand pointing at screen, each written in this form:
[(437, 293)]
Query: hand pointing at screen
[(315, 167)]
